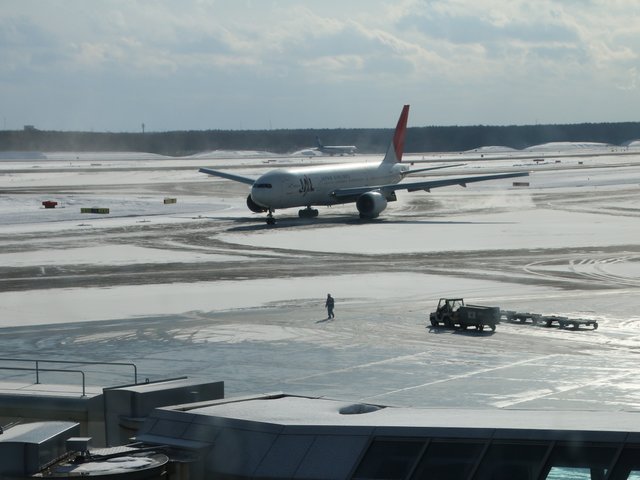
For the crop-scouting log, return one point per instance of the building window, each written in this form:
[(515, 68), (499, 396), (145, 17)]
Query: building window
[(512, 460), (580, 460), (448, 459), (389, 459)]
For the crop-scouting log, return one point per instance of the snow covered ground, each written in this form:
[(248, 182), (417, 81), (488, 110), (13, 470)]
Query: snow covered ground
[(204, 288)]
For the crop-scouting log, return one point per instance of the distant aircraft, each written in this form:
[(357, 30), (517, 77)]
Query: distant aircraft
[(369, 185), (336, 149)]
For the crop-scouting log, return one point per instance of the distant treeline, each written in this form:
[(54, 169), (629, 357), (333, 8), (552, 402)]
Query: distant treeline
[(418, 139)]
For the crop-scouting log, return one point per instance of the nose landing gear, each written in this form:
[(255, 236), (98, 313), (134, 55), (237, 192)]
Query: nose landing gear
[(270, 218)]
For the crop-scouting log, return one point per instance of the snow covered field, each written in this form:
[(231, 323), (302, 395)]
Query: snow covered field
[(204, 288)]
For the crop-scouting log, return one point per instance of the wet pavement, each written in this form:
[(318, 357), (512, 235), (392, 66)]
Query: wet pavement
[(379, 348)]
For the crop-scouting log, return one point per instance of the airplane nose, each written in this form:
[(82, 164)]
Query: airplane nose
[(256, 197), (260, 193)]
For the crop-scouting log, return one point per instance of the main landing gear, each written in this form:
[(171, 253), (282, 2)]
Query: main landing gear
[(308, 213), (304, 213)]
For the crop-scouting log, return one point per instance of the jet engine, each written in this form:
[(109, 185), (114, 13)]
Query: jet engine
[(254, 207), (370, 204)]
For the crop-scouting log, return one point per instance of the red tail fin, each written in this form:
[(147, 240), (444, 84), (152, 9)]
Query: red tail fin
[(394, 153)]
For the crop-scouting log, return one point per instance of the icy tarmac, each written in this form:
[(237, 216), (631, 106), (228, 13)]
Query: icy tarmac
[(204, 288)]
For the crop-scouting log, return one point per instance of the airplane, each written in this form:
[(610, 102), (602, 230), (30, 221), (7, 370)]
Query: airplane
[(336, 149), (370, 185)]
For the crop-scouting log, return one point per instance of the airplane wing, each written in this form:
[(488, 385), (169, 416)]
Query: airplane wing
[(426, 185), (409, 172), (228, 176)]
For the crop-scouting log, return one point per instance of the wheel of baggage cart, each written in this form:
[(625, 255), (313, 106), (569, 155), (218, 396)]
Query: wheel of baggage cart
[(595, 326), (480, 327), (492, 327), (434, 322)]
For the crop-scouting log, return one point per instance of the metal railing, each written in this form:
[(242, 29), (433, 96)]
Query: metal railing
[(84, 390), (37, 368)]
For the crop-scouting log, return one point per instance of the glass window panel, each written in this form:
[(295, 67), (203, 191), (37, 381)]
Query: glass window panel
[(579, 460), (389, 459), (512, 460), (628, 465), (447, 460), (566, 473)]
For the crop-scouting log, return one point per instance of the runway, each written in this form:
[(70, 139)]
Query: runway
[(204, 288)]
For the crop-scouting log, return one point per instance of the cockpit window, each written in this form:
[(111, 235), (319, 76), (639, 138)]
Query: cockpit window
[(261, 185)]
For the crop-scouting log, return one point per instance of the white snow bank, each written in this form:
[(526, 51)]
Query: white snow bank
[(565, 146), (492, 149)]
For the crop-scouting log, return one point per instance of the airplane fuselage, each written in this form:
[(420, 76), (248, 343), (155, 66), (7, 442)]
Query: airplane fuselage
[(306, 186), (338, 149), (335, 149)]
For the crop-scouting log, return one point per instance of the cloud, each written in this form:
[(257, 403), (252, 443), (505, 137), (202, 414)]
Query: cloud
[(467, 28), (279, 55), (26, 48), (631, 80)]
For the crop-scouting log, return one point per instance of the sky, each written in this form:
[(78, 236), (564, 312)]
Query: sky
[(246, 64)]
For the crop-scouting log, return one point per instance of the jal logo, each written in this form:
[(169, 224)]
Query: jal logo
[(306, 185)]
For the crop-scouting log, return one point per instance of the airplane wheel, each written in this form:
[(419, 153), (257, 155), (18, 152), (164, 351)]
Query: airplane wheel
[(271, 221), (308, 213)]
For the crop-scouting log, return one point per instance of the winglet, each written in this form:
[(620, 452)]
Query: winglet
[(396, 148)]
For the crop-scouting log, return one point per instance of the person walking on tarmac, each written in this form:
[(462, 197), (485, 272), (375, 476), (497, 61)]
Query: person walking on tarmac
[(329, 305)]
